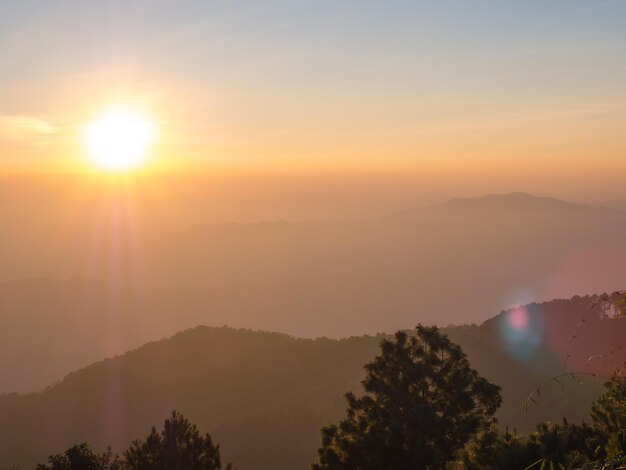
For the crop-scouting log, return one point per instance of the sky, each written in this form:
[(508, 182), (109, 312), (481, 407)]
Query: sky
[(528, 93)]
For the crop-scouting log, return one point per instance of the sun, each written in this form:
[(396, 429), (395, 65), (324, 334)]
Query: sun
[(119, 140)]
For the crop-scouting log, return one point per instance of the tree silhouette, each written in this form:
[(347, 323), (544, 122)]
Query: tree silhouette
[(81, 457), (422, 403), (551, 445), (179, 446), (608, 414)]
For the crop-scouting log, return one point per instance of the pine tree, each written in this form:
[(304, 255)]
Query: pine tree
[(81, 457), (422, 403), (179, 446), (608, 415)]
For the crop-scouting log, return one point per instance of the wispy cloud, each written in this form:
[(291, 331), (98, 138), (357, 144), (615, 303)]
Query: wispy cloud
[(18, 127)]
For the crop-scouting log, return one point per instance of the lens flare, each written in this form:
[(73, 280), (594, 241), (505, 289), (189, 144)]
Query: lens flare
[(522, 332), (518, 319)]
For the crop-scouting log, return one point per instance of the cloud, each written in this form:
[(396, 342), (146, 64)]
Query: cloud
[(16, 127)]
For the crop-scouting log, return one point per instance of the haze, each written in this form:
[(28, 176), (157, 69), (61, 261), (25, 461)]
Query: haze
[(322, 169)]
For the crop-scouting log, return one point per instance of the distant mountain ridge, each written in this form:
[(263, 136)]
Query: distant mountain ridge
[(515, 201), (50, 326), (618, 205), (518, 201), (446, 264), (264, 396)]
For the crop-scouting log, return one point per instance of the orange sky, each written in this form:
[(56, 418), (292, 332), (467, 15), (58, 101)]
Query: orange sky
[(529, 95)]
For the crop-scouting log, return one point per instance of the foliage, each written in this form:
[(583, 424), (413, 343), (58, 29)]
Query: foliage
[(491, 450), (283, 440), (608, 414), (303, 380), (179, 446), (422, 403), (550, 446), (599, 445), (81, 457)]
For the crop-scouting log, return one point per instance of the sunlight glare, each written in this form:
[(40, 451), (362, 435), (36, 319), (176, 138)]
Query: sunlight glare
[(119, 140)]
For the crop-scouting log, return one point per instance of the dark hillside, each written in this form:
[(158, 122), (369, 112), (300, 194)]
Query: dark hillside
[(264, 396)]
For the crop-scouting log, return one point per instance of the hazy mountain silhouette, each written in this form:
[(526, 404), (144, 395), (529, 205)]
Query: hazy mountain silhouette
[(264, 396), (49, 327), (451, 263), (615, 204), (518, 201), (335, 278)]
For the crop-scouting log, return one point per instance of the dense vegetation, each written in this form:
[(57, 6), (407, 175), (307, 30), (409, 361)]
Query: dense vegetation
[(265, 396), (423, 408), (601, 444), (422, 403), (179, 446)]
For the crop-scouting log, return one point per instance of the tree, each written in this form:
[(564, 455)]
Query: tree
[(179, 446), (81, 457), (422, 403), (491, 450), (551, 445), (608, 415)]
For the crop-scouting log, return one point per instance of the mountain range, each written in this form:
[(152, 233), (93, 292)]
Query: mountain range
[(264, 396), (453, 263)]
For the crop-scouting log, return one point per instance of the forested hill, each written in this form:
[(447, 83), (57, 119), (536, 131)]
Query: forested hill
[(264, 396)]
